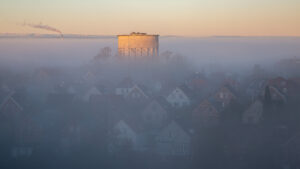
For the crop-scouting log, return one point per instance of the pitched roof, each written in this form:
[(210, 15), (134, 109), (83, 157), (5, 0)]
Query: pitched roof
[(133, 123), (184, 89), (216, 104), (154, 106), (277, 92), (181, 135), (215, 101), (187, 91), (10, 98), (205, 107), (138, 89)]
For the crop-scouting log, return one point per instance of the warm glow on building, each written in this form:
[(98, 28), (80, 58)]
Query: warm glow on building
[(138, 45)]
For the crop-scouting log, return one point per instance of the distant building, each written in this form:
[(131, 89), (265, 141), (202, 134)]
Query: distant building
[(124, 87), (173, 140), (122, 135), (136, 93), (206, 115), (254, 113), (154, 115), (9, 106), (178, 98), (138, 45), (224, 96)]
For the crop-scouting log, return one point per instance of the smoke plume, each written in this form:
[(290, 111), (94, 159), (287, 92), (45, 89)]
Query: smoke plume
[(45, 27)]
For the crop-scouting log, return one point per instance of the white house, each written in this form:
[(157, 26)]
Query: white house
[(178, 98), (136, 93), (122, 135)]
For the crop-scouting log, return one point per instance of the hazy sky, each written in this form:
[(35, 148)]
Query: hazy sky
[(165, 17)]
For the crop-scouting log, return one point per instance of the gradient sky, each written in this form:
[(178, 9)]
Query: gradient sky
[(165, 17)]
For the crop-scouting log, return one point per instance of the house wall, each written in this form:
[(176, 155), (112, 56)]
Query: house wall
[(123, 91), (154, 115)]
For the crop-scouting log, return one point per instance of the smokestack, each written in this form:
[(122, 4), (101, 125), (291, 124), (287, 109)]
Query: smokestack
[(45, 27)]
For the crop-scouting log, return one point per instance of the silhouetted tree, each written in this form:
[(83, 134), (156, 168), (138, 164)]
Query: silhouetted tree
[(104, 54)]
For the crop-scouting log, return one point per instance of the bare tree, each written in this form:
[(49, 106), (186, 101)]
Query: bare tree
[(104, 54)]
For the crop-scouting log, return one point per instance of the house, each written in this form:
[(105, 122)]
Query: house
[(279, 82), (136, 93), (276, 95), (255, 88), (224, 96), (154, 115), (197, 81), (122, 136), (179, 97), (16, 127), (173, 141), (26, 136), (288, 87), (124, 87), (253, 113), (292, 151), (9, 106), (205, 114), (93, 91), (234, 84)]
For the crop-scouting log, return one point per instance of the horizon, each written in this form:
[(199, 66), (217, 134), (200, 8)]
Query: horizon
[(164, 35), (181, 18)]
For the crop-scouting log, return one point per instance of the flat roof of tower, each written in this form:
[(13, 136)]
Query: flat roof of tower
[(137, 34)]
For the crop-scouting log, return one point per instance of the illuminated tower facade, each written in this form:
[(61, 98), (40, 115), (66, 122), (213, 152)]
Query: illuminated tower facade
[(138, 45)]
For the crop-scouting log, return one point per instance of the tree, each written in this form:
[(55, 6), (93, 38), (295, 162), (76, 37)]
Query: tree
[(104, 54), (166, 55)]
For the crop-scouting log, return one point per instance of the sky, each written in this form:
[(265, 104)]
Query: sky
[(164, 17)]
